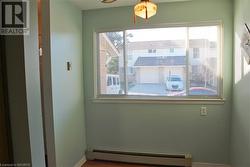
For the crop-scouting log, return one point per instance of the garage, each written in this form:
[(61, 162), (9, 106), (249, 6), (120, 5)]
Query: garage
[(149, 75)]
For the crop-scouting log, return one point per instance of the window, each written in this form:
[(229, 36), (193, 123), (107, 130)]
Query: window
[(195, 69), (196, 53), (109, 81), (152, 51), (171, 50), (118, 81), (125, 69), (111, 63), (114, 80)]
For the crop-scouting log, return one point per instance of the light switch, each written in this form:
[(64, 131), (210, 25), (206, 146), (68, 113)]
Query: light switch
[(69, 66), (203, 111)]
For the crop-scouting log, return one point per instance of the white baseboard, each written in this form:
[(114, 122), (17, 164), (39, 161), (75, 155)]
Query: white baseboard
[(199, 164), (80, 162)]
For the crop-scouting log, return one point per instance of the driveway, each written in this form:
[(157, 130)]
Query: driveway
[(148, 89), (159, 90)]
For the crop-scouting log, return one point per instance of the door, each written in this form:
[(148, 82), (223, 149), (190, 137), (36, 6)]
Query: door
[(5, 139), (149, 75)]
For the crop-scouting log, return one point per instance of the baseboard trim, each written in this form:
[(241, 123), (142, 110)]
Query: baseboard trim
[(200, 164), (141, 158), (81, 162), (194, 164)]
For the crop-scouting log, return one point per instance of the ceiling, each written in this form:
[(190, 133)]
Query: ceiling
[(96, 4)]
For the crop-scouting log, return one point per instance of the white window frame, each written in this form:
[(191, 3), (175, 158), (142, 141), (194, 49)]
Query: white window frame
[(190, 99)]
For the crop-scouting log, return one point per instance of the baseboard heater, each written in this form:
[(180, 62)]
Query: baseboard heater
[(182, 160)]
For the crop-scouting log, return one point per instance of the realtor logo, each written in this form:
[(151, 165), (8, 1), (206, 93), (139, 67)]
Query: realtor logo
[(14, 19)]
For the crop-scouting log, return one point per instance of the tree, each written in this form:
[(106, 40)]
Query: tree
[(113, 66), (116, 39)]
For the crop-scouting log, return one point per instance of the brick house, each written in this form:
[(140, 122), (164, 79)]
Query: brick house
[(107, 52)]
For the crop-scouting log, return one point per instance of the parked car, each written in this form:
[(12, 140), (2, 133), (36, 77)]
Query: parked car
[(174, 83), (113, 84)]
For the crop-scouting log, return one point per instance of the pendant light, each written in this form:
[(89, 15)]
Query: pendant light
[(145, 9)]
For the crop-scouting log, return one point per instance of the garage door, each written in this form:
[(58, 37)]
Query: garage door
[(149, 75)]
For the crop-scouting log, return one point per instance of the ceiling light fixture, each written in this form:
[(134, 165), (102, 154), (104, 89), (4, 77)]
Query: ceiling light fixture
[(107, 1), (145, 9)]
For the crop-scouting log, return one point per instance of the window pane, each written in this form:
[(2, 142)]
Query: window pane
[(203, 59), (156, 64), (111, 63)]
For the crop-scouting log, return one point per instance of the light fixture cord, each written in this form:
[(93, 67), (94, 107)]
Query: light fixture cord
[(247, 28)]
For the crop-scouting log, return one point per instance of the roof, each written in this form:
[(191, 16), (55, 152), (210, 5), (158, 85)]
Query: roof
[(161, 61)]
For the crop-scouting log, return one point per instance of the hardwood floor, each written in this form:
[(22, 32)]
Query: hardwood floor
[(111, 164)]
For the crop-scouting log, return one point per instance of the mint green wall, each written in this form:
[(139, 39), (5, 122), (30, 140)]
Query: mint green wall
[(67, 86), (240, 144), (160, 128)]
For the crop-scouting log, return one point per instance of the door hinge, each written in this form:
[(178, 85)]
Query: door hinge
[(40, 52)]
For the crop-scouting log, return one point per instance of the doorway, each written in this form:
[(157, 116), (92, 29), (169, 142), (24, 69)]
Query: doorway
[(6, 156)]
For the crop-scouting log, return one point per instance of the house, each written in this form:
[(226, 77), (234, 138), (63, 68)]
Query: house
[(169, 57), (57, 56), (159, 68)]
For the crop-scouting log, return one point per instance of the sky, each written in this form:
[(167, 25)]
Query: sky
[(155, 34)]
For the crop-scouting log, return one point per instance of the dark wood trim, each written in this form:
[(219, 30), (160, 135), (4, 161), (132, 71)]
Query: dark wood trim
[(4, 85)]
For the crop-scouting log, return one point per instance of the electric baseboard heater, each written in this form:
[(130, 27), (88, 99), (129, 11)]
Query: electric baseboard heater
[(181, 160)]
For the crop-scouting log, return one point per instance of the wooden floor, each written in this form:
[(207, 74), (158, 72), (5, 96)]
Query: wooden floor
[(111, 164)]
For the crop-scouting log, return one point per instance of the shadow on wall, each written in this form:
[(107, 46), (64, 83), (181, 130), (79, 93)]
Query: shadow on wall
[(240, 148), (242, 68), (240, 123)]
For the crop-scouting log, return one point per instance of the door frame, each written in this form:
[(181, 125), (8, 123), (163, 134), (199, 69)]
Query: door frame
[(46, 85)]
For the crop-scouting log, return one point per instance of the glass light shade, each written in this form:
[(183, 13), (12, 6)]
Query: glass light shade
[(145, 9)]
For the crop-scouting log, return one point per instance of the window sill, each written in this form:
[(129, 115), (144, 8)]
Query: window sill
[(187, 101)]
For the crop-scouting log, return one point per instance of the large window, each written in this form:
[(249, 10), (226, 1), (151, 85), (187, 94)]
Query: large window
[(176, 62)]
